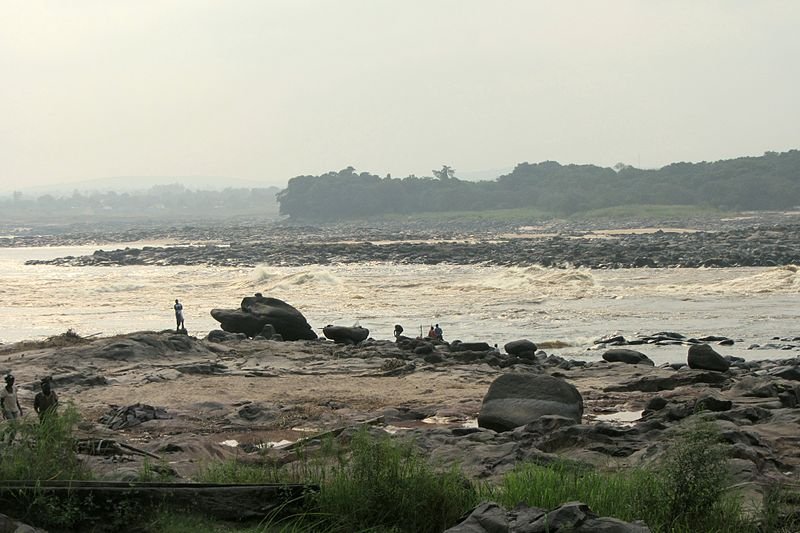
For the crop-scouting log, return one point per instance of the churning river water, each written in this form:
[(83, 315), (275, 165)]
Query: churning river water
[(471, 303)]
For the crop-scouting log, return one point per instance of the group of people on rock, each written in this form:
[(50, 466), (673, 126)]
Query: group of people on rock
[(435, 333)]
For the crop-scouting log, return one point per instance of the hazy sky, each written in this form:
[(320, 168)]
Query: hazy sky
[(267, 90)]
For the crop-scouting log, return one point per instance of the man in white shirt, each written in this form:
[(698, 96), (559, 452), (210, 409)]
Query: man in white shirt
[(9, 403), (9, 406)]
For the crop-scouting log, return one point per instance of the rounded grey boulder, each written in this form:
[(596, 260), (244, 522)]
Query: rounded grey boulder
[(624, 355), (515, 400), (345, 334), (703, 357), (522, 348)]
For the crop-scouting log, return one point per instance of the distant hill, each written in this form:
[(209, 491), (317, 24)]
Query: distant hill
[(140, 183), (170, 202), (767, 182)]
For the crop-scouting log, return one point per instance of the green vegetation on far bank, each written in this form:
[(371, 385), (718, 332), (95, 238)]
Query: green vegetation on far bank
[(767, 182), (523, 215), (374, 482)]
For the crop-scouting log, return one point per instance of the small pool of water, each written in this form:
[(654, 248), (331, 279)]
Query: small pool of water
[(620, 417)]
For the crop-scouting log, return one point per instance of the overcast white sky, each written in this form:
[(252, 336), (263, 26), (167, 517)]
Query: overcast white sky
[(267, 90)]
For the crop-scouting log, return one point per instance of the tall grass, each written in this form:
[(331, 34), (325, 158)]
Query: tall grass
[(387, 484), (684, 492), (376, 483), (42, 450)]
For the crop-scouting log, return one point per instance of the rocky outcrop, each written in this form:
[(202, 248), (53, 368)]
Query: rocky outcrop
[(703, 357), (258, 311), (573, 517), (139, 346), (631, 357), (132, 415), (514, 400), (346, 335)]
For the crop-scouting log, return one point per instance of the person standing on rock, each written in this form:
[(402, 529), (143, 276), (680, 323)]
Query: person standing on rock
[(46, 402), (9, 402), (438, 332), (179, 316)]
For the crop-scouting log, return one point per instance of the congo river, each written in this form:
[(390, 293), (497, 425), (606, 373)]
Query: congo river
[(753, 306)]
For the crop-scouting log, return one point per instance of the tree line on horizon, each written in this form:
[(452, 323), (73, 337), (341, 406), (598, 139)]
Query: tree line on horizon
[(768, 182), (160, 202)]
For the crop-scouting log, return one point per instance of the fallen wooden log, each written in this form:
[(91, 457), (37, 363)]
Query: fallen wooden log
[(109, 447), (222, 501), (331, 433)]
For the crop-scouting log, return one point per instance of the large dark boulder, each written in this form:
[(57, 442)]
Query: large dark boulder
[(789, 372), (624, 355), (522, 348), (514, 400), (345, 334), (704, 357), (458, 346), (258, 311)]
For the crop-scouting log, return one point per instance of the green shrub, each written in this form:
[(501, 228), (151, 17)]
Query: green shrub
[(387, 484), (684, 491), (43, 450), (693, 475)]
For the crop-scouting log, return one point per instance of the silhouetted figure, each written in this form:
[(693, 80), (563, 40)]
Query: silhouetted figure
[(432, 332), (398, 330), (46, 402), (179, 316), (437, 332)]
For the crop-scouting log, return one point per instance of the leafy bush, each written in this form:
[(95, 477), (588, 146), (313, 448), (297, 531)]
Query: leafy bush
[(684, 491), (692, 475)]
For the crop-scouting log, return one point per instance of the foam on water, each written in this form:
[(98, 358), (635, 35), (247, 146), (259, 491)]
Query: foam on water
[(276, 278), (493, 304), (565, 283)]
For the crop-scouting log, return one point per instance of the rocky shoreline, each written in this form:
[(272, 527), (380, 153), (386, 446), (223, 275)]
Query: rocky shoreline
[(190, 401)]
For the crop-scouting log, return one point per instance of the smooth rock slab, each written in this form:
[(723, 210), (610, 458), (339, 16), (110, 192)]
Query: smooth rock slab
[(515, 400)]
